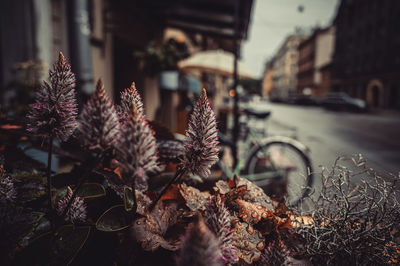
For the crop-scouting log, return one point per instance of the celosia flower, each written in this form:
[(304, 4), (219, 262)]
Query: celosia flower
[(137, 150), (77, 210), (200, 247), (218, 220), (128, 96), (55, 110), (201, 143), (7, 189), (99, 124), (276, 253)]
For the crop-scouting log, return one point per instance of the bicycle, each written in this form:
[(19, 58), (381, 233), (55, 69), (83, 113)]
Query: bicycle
[(278, 164)]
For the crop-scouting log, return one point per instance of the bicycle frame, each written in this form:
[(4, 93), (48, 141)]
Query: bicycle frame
[(253, 142)]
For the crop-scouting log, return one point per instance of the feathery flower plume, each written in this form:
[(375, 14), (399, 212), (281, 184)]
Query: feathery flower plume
[(77, 210), (99, 124), (201, 143), (55, 110), (218, 220), (7, 189), (199, 247), (137, 150), (275, 254), (128, 96)]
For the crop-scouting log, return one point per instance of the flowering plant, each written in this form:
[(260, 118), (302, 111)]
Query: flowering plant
[(106, 208)]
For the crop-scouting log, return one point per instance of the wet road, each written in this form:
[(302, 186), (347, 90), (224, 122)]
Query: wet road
[(331, 134)]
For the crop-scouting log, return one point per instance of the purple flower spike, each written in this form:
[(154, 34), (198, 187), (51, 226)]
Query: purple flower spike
[(218, 220), (137, 150), (7, 189), (55, 109), (200, 247), (201, 143), (99, 121), (77, 211), (128, 96), (276, 253)]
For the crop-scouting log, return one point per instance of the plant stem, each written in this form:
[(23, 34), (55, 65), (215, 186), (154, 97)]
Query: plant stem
[(49, 156), (179, 173)]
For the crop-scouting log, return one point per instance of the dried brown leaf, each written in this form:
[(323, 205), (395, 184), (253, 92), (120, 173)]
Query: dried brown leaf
[(222, 187), (172, 193), (150, 230), (248, 241), (253, 213), (254, 193), (195, 199)]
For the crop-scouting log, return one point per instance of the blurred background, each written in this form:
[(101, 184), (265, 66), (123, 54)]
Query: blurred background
[(329, 70)]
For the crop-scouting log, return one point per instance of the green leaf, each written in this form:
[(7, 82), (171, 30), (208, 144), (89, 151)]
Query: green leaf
[(29, 186), (59, 248), (23, 177), (86, 191), (114, 219), (128, 198), (91, 191)]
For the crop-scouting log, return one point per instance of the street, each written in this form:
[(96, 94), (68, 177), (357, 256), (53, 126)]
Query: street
[(332, 134)]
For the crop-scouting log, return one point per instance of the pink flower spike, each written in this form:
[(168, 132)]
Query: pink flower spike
[(201, 143), (137, 150), (199, 247), (77, 210), (129, 96), (99, 123), (8, 192), (55, 108)]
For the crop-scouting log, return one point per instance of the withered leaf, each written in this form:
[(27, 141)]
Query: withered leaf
[(172, 193), (253, 213), (150, 230), (254, 193), (143, 202), (228, 190), (222, 187), (195, 199), (248, 241)]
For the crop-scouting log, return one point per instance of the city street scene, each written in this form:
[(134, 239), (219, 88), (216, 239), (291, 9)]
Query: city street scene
[(200, 132)]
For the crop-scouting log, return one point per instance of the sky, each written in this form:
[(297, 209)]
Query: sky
[(273, 20)]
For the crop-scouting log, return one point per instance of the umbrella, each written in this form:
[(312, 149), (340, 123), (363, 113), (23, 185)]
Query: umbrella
[(215, 61)]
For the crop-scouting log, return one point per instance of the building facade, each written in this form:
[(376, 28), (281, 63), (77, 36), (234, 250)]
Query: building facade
[(315, 58), (366, 61), (268, 79), (100, 39), (286, 68)]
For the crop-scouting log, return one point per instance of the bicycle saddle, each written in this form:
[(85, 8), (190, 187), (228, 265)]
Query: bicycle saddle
[(258, 114)]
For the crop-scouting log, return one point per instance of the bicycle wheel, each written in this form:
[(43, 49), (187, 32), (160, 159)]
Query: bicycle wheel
[(281, 169)]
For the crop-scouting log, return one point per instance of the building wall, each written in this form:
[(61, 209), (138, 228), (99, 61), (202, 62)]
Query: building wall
[(286, 68), (324, 44), (315, 57), (367, 49), (102, 48), (59, 28), (268, 82), (17, 43), (324, 49), (306, 63)]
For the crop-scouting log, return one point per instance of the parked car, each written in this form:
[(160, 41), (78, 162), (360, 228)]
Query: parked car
[(340, 101), (302, 99), (275, 99)]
